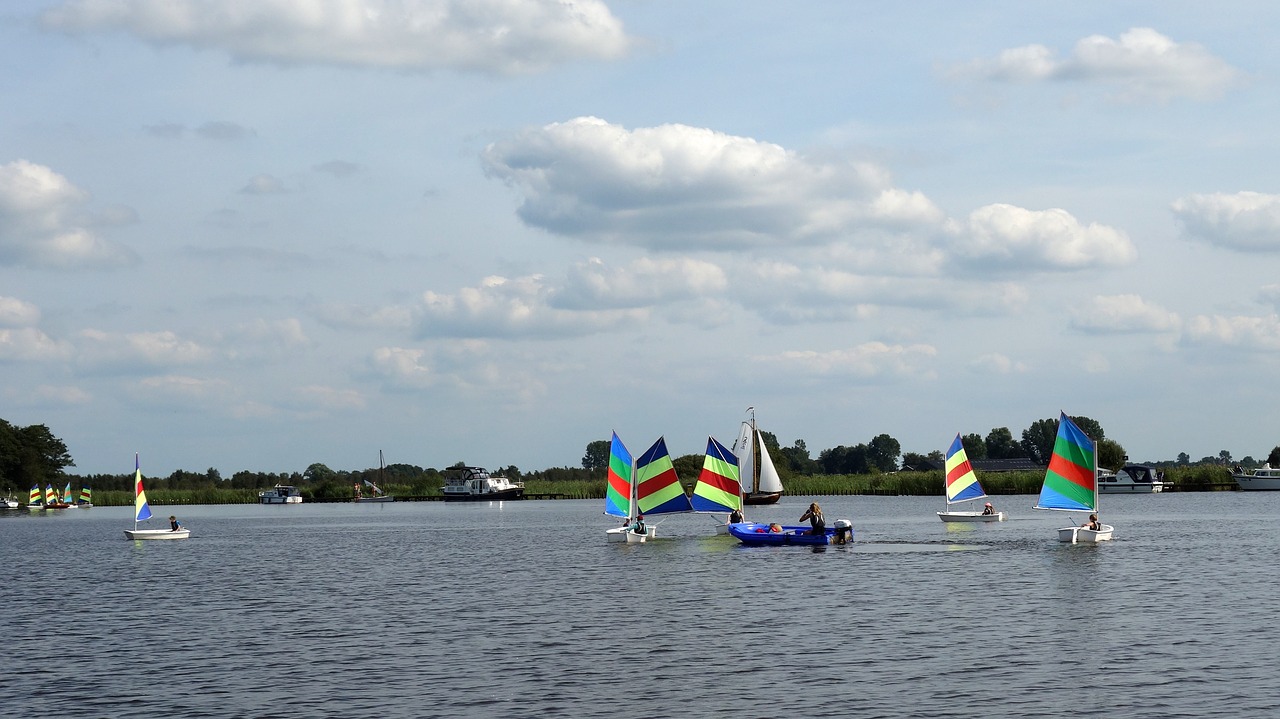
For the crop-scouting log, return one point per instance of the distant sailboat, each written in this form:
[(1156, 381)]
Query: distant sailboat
[(1071, 481), (378, 494), (34, 500), (962, 485), (142, 512), (51, 499), (760, 481), (86, 497)]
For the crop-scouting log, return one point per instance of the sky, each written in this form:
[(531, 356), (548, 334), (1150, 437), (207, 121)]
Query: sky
[(261, 234)]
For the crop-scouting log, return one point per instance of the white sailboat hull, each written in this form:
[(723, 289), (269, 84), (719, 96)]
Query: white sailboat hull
[(156, 534), (624, 534), (971, 517), (1080, 535)]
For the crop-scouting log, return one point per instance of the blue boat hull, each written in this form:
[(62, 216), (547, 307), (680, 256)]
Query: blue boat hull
[(757, 534)]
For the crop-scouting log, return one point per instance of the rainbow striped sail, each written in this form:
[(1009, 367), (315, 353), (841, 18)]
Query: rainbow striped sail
[(1071, 482), (618, 493), (34, 498), (141, 510), (50, 495), (658, 489), (86, 495), (718, 488), (962, 483), (66, 494)]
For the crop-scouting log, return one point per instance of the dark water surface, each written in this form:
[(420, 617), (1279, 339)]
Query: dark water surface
[(522, 610)]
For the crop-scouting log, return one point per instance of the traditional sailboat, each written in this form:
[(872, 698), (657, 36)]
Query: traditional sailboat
[(647, 486), (142, 512), (378, 494), (1071, 481), (760, 481), (962, 485), (719, 489)]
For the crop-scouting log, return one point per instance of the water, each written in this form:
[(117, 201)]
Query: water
[(523, 610)]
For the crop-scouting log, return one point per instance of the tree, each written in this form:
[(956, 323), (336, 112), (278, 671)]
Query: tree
[(597, 456), (796, 459), (1273, 459), (1110, 454), (1000, 444), (316, 473), (1224, 457), (688, 467), (844, 460), (1038, 439), (913, 461), (31, 455), (974, 447), (1184, 458), (882, 453)]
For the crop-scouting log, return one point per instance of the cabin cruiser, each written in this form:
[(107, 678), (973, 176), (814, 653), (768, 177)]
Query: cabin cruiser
[(1265, 477), (475, 484), (280, 494), (1132, 479)]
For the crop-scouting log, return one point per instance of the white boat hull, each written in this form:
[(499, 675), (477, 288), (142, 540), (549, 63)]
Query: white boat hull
[(624, 534), (1252, 483), (1080, 535), (1135, 488), (971, 517), (372, 500), (156, 534)]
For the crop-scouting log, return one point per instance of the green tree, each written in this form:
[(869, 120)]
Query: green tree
[(796, 459), (1038, 439), (1000, 444), (914, 461), (844, 460), (1273, 459), (974, 446), (1110, 454), (688, 467), (317, 473), (1185, 459), (882, 453), (597, 455)]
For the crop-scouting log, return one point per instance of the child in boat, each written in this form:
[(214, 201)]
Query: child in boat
[(1093, 523), (988, 509), (639, 527), (174, 524)]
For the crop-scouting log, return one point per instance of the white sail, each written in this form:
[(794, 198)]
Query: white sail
[(745, 449), (769, 479)]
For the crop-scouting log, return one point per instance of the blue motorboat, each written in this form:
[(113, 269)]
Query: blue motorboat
[(758, 534)]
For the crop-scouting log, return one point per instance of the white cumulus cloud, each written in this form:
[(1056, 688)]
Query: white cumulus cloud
[(1124, 314), (137, 351), (593, 285), (1243, 332), (16, 313), (865, 361), (489, 36), (1004, 236), (1246, 221), (42, 223)]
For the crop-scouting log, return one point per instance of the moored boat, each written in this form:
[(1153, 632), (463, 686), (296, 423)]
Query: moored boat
[(9, 502), (1264, 478), (280, 494), (475, 484), (1131, 479)]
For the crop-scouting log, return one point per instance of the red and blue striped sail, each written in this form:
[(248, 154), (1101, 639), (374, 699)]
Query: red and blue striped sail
[(141, 510), (718, 488), (617, 492), (658, 489), (34, 498), (50, 495), (962, 483), (1071, 482)]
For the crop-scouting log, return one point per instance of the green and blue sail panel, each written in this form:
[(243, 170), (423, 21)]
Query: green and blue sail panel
[(1070, 483), (718, 488), (617, 493), (962, 483), (658, 489)]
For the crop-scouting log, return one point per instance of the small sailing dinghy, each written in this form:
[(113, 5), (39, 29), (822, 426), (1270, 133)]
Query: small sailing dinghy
[(620, 496), (962, 486), (142, 512), (655, 489), (718, 490), (1071, 482)]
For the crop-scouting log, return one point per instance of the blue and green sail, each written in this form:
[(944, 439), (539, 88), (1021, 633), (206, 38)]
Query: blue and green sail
[(1071, 482), (617, 492), (658, 489)]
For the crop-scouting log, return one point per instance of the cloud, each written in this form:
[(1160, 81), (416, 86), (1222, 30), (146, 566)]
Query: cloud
[(1006, 237), (28, 344), (223, 130), (1244, 221), (1118, 314), (592, 285), (681, 187), (870, 360), (486, 36), (401, 368), (319, 399), (502, 307), (264, 185), (182, 392), (1143, 63), (996, 363), (338, 168), (42, 225), (1250, 333), (16, 313), (137, 351)]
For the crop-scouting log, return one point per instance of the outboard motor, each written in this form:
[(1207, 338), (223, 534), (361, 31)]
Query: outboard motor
[(843, 533)]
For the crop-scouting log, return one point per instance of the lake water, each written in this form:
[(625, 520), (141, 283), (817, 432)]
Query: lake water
[(521, 609)]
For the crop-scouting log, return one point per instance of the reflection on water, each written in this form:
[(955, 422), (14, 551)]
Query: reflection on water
[(523, 610)]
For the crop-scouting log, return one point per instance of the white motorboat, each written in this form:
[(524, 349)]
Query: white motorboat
[(475, 484), (1132, 479), (8, 501), (1263, 478), (280, 494)]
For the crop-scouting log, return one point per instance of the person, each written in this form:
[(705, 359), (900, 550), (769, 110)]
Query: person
[(775, 528), (1093, 523), (639, 527), (174, 524), (988, 509), (817, 524), (735, 516)]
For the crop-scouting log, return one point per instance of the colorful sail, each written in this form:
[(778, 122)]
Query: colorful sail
[(66, 493), (50, 495), (141, 510), (86, 495), (1071, 482), (34, 498), (962, 483), (718, 488), (658, 489), (617, 493)]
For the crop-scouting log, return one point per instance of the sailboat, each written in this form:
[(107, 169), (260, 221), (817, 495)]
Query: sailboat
[(962, 485), (52, 500), (760, 481), (1071, 481), (67, 499), (718, 490), (646, 487), (142, 512), (86, 497), (34, 500), (378, 494)]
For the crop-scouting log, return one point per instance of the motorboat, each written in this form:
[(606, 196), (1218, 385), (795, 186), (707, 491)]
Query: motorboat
[(1265, 477), (8, 501), (775, 535), (280, 494), (475, 484), (1131, 479)]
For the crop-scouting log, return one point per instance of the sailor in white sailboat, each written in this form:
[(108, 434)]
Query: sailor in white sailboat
[(174, 524), (988, 509), (638, 527), (817, 524), (735, 516), (1093, 523)]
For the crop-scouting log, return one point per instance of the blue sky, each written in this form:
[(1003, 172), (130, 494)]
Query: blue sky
[(258, 234)]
